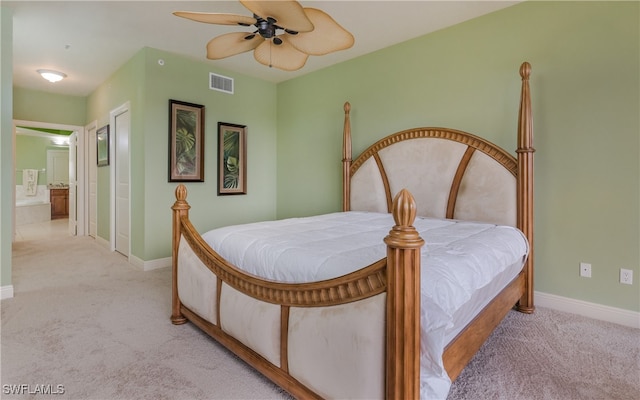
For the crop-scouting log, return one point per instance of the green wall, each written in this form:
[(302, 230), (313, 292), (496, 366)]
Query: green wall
[(125, 86), (33, 105), (43, 107), (149, 86), (585, 67), (253, 104), (6, 145), (31, 152)]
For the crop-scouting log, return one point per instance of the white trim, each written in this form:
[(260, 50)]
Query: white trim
[(90, 167), (30, 132), (586, 309), (6, 292), (81, 187), (103, 242), (151, 264)]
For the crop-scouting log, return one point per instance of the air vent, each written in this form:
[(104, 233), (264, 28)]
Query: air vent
[(220, 83)]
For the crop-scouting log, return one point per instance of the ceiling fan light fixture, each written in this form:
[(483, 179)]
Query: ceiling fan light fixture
[(51, 75)]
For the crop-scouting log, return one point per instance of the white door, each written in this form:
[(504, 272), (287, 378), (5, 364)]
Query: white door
[(92, 160), (121, 123), (73, 181), (58, 166)]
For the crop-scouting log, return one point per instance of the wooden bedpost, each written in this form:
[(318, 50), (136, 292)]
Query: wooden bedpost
[(403, 301), (346, 159), (525, 183), (180, 208)]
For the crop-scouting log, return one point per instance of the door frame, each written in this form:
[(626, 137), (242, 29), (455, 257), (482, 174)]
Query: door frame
[(126, 107), (80, 167), (91, 160)]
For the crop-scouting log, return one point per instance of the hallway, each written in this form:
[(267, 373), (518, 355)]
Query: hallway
[(42, 230)]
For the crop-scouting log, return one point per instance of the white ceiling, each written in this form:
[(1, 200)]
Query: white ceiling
[(90, 40)]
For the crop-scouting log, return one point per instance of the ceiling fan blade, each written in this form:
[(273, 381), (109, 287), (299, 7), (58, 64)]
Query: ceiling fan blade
[(327, 37), (231, 44), (216, 18), (283, 56), (287, 13)]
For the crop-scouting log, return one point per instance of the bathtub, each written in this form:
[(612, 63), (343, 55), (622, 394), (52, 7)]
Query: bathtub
[(32, 209)]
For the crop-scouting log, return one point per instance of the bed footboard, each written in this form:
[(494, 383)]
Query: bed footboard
[(355, 336)]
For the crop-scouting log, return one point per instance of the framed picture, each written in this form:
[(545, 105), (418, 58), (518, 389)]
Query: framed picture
[(232, 159), (102, 146), (186, 142)]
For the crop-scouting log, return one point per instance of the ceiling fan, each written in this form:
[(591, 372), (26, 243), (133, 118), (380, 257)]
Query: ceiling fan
[(286, 33)]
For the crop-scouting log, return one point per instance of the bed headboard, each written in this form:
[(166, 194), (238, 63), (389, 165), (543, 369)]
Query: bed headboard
[(450, 173)]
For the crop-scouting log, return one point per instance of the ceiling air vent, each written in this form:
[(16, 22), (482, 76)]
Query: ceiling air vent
[(220, 83)]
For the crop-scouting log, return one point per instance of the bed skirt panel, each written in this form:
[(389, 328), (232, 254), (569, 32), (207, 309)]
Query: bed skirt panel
[(338, 351), (197, 285), (253, 322)]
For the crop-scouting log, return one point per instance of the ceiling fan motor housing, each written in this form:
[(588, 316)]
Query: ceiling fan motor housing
[(267, 28)]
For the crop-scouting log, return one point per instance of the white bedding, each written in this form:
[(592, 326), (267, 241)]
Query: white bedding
[(464, 264)]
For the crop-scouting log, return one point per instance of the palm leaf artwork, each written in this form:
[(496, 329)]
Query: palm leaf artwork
[(231, 162), (185, 142)]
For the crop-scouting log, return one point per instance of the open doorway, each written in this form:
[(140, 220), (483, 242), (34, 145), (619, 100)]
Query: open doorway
[(40, 171)]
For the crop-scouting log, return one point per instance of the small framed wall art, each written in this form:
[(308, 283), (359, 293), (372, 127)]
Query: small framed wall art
[(232, 159), (102, 146), (186, 142)]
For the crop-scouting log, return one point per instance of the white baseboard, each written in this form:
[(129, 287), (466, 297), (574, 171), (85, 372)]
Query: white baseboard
[(103, 242), (586, 309), (6, 292), (138, 262), (151, 264)]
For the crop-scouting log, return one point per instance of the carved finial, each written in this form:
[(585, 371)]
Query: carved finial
[(404, 208), (347, 107), (181, 199), (181, 192), (525, 71), (403, 234)]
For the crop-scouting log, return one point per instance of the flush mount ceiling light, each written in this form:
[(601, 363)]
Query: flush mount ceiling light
[(52, 76)]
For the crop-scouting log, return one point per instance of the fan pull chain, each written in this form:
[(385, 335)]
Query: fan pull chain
[(270, 46)]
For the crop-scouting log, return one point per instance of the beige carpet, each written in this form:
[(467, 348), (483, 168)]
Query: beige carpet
[(85, 319), (553, 355)]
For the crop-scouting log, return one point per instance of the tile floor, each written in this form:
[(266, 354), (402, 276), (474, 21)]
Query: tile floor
[(42, 230)]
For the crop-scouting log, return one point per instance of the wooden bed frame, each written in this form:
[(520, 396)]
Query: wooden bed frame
[(397, 277)]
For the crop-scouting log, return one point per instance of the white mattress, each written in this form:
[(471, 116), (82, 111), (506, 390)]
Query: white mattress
[(464, 264)]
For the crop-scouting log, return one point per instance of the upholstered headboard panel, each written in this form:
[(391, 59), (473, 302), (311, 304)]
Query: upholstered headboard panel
[(451, 174)]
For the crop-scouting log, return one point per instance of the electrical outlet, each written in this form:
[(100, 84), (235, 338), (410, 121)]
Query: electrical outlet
[(626, 276), (585, 270)]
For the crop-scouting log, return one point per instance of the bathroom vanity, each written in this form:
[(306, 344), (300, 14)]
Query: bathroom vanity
[(59, 202)]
